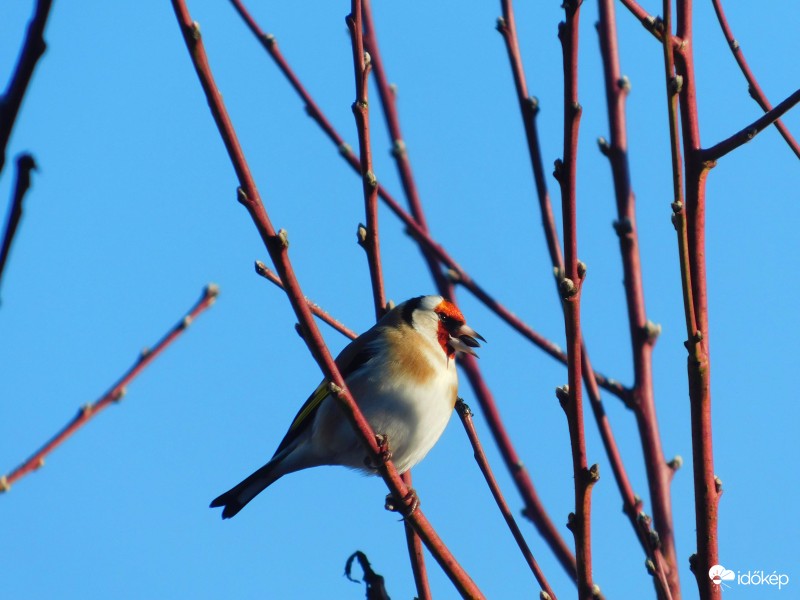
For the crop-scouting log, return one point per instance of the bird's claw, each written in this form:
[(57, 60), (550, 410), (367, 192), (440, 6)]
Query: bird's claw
[(384, 453), (406, 507)]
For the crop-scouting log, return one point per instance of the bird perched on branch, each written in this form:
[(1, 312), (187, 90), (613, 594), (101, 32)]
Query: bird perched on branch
[(402, 375)]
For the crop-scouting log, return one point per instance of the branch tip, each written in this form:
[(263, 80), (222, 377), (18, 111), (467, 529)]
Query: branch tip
[(596, 593), (4, 485), (211, 291), (544, 596)]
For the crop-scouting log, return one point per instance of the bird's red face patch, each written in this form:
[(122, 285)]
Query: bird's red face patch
[(450, 320)]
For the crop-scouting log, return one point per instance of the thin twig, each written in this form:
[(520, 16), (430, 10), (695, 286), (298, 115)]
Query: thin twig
[(755, 90), (388, 98), (368, 236), (707, 489), (25, 164), (480, 457), (571, 284), (32, 50), (277, 246), (270, 275), (750, 131), (643, 333), (414, 229), (114, 394)]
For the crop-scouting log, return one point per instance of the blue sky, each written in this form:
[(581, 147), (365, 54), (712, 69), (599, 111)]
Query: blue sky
[(133, 211)]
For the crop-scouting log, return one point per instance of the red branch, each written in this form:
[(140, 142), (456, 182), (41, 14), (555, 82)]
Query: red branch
[(750, 131), (277, 246), (367, 236), (755, 90), (480, 457), (32, 50), (570, 286), (114, 394), (534, 509), (706, 486), (25, 164), (417, 231), (643, 332)]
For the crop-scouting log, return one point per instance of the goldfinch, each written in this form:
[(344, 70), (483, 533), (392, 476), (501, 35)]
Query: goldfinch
[(401, 373)]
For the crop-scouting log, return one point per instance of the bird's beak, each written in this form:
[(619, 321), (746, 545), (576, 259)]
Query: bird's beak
[(464, 340)]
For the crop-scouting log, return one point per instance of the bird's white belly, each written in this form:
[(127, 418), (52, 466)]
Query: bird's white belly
[(411, 416)]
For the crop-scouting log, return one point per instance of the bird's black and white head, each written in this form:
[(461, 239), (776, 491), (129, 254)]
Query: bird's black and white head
[(440, 320)]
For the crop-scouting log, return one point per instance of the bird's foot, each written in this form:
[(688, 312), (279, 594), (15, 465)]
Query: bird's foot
[(407, 506), (384, 454)]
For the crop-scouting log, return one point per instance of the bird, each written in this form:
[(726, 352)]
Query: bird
[(401, 373)]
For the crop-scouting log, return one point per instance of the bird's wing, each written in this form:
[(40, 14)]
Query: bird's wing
[(354, 356)]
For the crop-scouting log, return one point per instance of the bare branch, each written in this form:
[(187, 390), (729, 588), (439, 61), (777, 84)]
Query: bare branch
[(114, 394), (480, 457), (571, 397), (750, 131), (32, 50), (643, 332), (25, 164), (755, 90)]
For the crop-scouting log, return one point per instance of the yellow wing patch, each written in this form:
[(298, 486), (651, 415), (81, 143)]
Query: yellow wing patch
[(311, 404)]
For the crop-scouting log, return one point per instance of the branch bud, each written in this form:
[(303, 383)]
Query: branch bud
[(676, 84), (283, 238), (544, 596), (268, 40), (623, 227), (361, 235), (567, 288), (370, 178), (581, 270), (500, 25), (571, 521), (650, 566), (717, 484), (299, 329), (594, 474), (624, 84), (652, 331), (562, 393), (398, 148), (558, 169), (596, 593), (676, 463), (4, 485), (605, 147), (533, 104), (655, 539), (453, 275), (389, 305), (345, 149)]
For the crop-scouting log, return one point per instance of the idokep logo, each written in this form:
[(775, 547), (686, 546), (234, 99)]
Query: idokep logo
[(719, 575)]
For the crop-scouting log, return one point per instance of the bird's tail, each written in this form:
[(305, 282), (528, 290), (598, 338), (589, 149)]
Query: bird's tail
[(238, 496)]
